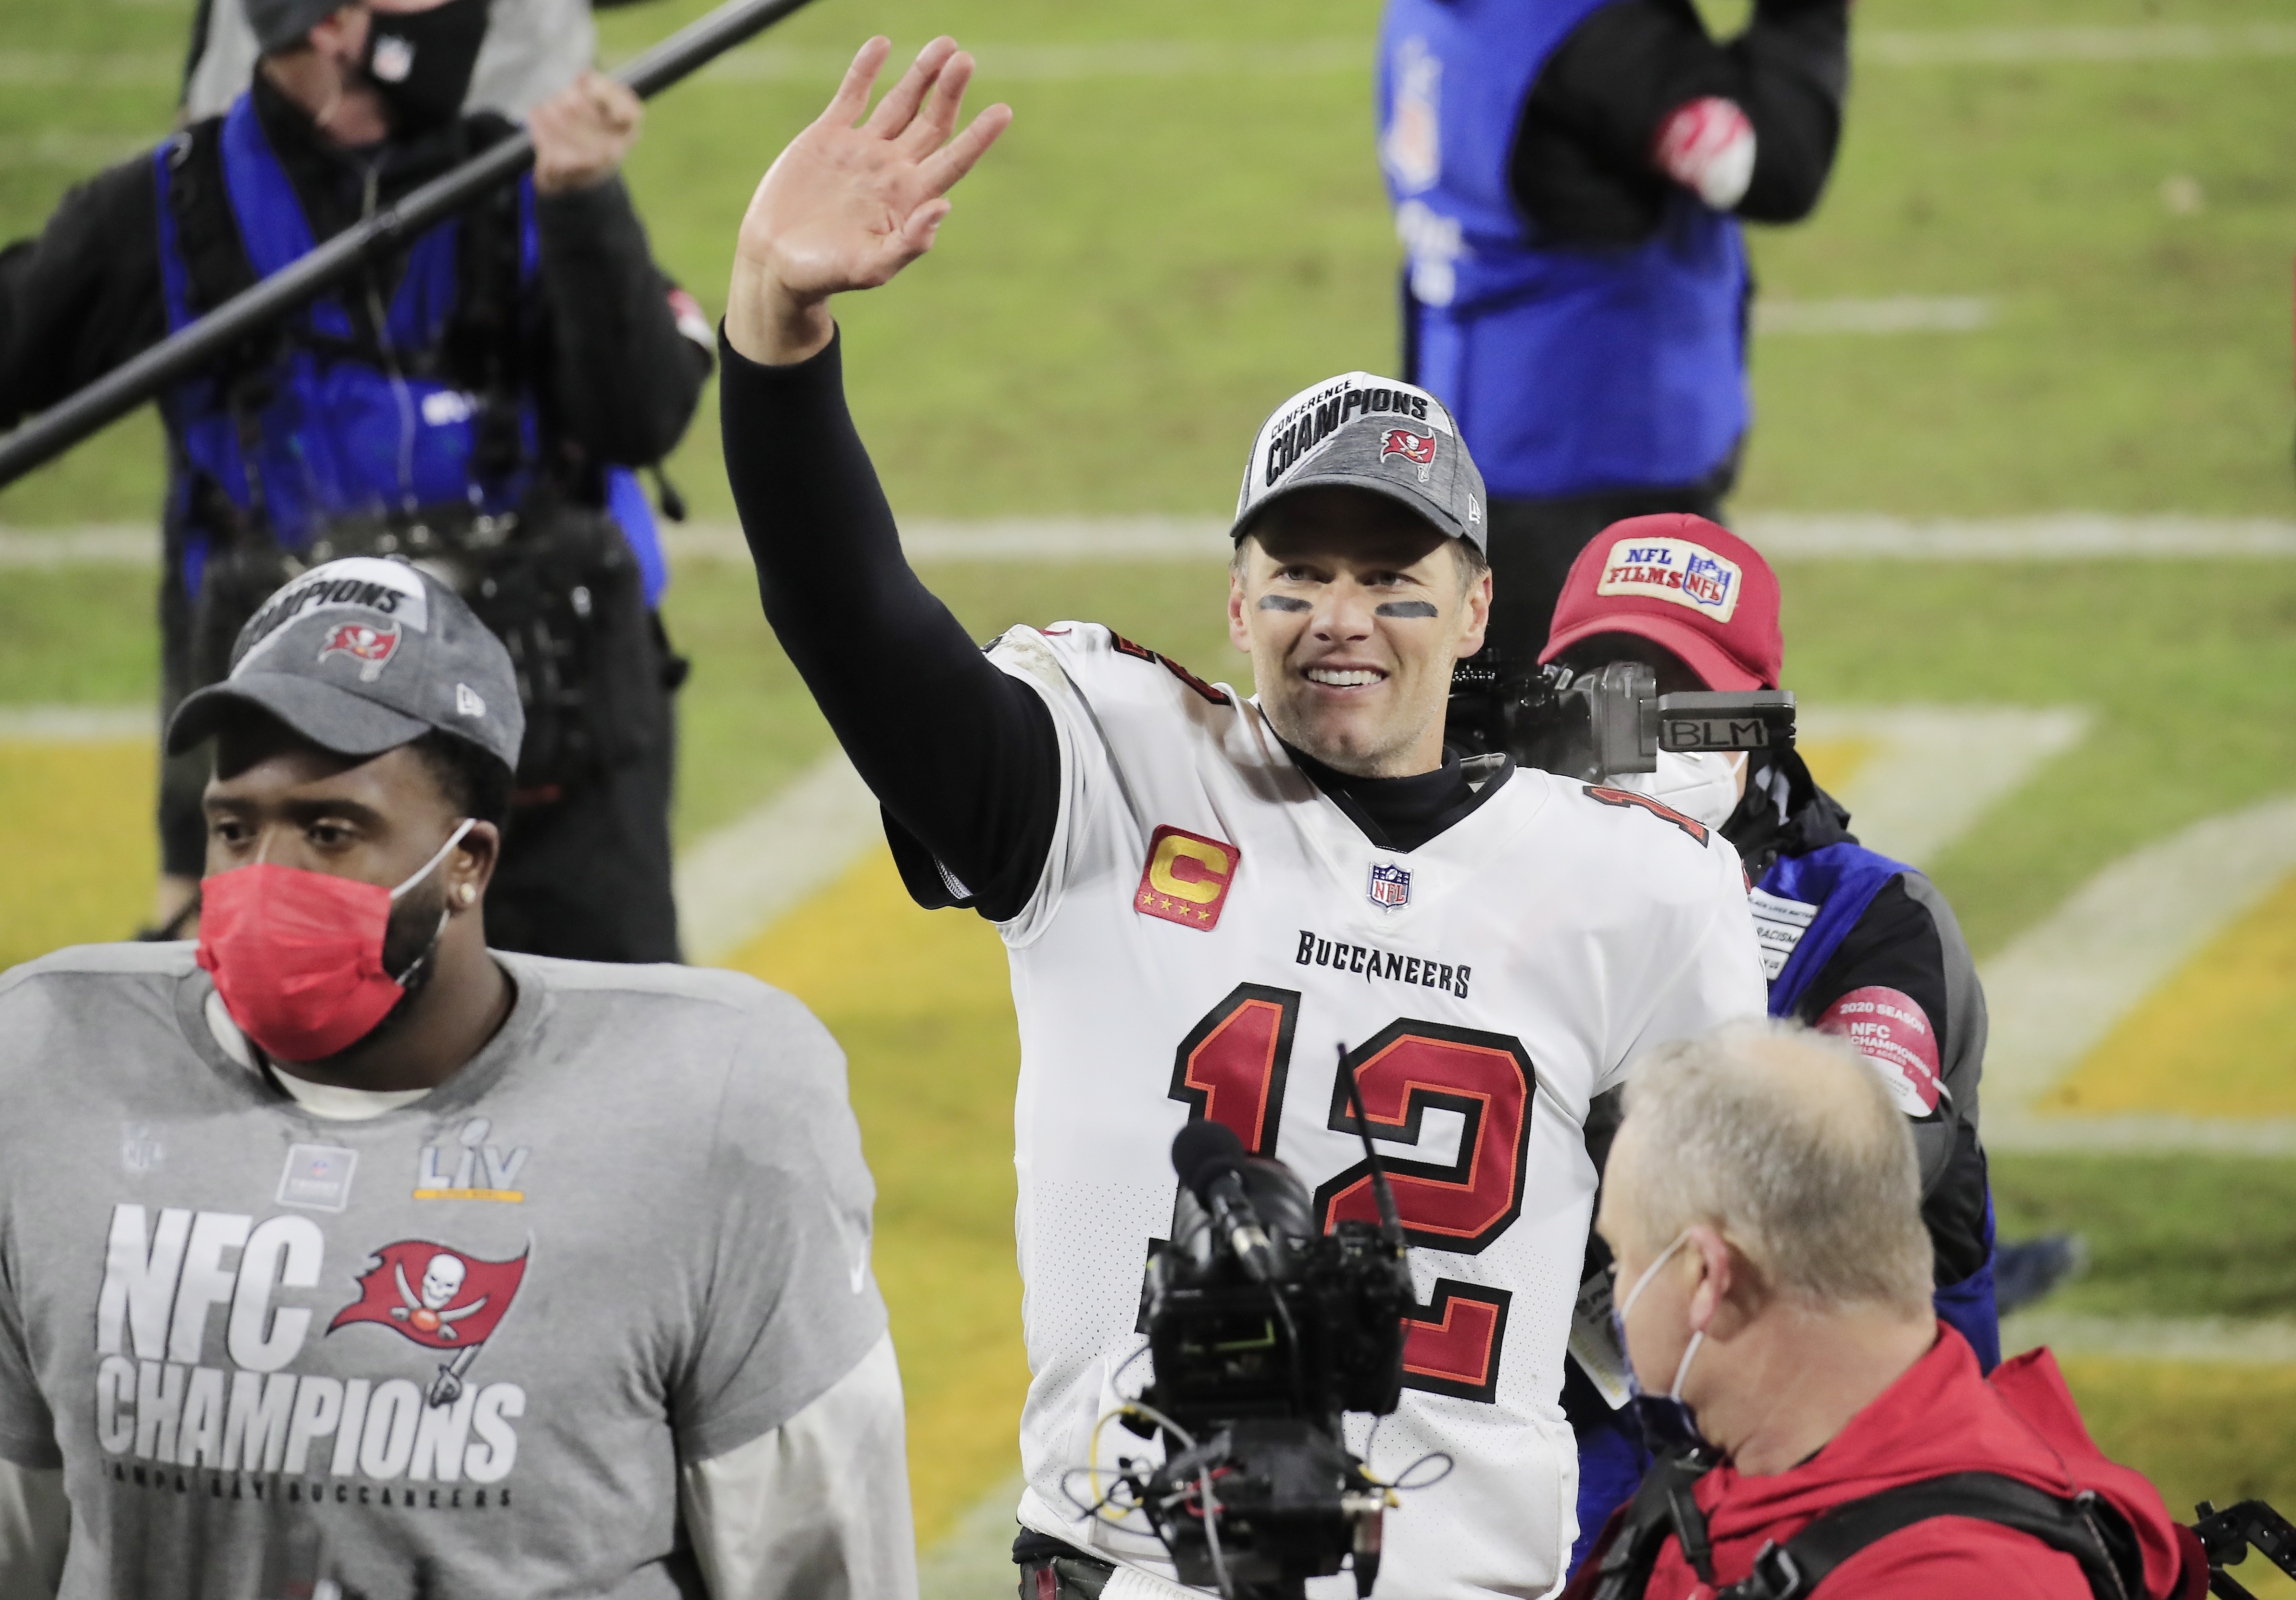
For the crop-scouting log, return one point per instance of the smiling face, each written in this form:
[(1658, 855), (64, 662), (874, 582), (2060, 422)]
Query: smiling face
[(1353, 610)]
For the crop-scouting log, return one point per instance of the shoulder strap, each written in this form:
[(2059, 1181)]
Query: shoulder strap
[(1663, 1508), (206, 237), (485, 343), (2083, 1526)]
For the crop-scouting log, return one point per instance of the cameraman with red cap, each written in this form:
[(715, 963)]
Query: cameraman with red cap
[(1853, 943)]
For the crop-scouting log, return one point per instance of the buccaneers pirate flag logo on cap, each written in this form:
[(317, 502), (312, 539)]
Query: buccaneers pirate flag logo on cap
[(439, 1297)]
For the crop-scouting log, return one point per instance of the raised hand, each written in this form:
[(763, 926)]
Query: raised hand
[(851, 203), (582, 133)]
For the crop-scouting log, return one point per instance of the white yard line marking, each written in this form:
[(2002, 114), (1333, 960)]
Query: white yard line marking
[(1885, 47), (730, 886), (1938, 768), (2053, 994), (1074, 63), (2143, 1133), (1985, 46), (2058, 536), (61, 69), (1784, 536), (77, 724), (1007, 539), (1894, 314), (2261, 1341), (92, 545), (1184, 58), (76, 152), (734, 884), (2059, 989), (973, 1561)]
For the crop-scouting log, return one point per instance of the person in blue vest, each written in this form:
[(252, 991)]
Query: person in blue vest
[(476, 402), (1853, 943), (1568, 179)]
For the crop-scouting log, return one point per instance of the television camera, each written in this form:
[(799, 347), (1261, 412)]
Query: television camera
[(1591, 725), (2228, 1535), (1264, 1331)]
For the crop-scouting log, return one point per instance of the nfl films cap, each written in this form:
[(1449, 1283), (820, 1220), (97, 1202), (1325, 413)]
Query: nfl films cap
[(1362, 431), (1682, 582), (361, 656)]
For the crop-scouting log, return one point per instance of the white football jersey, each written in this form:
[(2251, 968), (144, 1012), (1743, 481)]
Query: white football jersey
[(1211, 932)]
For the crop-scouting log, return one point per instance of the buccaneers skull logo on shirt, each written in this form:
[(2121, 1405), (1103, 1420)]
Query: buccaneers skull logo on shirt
[(437, 1296)]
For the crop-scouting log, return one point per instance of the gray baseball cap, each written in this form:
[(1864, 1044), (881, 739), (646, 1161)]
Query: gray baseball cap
[(361, 656), (1362, 431)]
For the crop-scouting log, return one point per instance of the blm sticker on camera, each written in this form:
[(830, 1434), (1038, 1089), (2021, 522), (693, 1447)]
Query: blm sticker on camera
[(1681, 571)]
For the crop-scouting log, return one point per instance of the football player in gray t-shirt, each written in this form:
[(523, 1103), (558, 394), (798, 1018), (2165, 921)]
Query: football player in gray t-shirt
[(342, 1251)]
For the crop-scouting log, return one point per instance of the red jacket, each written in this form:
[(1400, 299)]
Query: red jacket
[(1941, 1416)]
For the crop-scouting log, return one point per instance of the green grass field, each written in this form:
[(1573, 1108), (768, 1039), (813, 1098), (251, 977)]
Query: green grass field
[(1148, 263)]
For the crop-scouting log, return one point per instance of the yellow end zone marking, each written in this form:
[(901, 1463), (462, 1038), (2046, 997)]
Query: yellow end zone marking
[(1835, 762), (512, 1195), (2219, 1038), (922, 1003), (76, 828)]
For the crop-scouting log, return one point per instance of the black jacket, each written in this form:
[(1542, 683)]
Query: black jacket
[(617, 379), (1581, 165), (621, 380)]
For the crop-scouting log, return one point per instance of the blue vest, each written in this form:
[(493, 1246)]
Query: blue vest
[(1840, 881), (337, 436), (1571, 368)]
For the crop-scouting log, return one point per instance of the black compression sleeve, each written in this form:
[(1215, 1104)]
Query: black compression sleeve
[(1581, 165), (964, 756), (1894, 945)]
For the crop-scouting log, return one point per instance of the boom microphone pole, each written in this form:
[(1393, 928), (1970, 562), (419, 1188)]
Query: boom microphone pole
[(121, 390)]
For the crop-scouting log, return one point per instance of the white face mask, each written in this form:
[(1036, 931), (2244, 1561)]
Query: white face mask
[(1669, 1424), (1703, 787)]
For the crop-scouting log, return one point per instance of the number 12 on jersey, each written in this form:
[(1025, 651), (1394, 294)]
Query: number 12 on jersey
[(1234, 1067)]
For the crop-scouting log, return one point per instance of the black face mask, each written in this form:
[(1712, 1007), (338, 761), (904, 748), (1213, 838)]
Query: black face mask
[(421, 61)]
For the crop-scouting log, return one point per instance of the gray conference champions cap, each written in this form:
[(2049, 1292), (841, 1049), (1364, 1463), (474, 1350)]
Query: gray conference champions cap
[(1363, 432), (361, 656)]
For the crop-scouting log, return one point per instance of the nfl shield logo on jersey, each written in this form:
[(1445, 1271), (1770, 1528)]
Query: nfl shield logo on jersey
[(1390, 885)]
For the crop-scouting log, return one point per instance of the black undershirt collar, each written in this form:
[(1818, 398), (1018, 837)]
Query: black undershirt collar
[(1403, 813)]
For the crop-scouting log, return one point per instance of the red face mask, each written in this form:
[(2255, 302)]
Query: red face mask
[(297, 956)]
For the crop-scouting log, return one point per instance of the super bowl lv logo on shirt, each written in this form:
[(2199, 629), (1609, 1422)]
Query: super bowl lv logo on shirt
[(200, 1386)]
